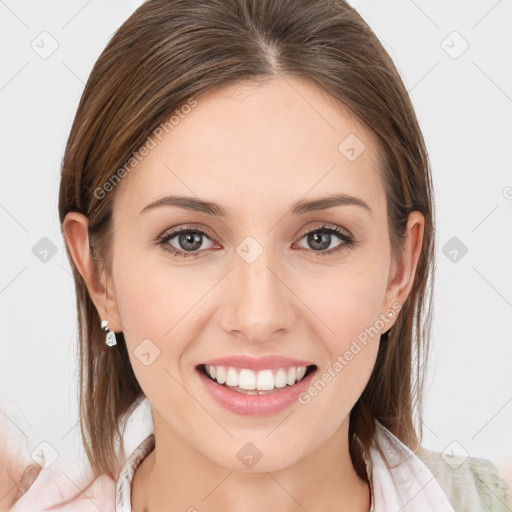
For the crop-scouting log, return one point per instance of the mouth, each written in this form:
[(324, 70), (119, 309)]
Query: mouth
[(248, 392), (262, 386)]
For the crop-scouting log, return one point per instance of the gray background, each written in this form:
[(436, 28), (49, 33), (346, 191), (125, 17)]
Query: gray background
[(463, 99)]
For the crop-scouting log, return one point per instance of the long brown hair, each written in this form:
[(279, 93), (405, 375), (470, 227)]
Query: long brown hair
[(169, 51)]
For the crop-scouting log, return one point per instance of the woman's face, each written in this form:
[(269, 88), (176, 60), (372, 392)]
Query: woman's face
[(253, 283)]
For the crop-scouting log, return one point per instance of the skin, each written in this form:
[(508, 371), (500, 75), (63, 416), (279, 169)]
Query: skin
[(253, 149)]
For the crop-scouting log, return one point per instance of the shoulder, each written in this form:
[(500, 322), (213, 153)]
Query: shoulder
[(470, 483), (61, 491)]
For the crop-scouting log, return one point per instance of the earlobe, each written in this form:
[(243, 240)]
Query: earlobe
[(76, 234)]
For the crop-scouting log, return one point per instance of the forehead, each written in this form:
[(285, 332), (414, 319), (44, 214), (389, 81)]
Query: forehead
[(256, 146)]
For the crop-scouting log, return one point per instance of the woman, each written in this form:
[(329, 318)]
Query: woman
[(247, 206)]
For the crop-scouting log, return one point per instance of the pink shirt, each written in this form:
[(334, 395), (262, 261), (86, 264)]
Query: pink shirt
[(409, 486)]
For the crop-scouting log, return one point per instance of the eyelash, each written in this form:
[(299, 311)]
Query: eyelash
[(348, 241)]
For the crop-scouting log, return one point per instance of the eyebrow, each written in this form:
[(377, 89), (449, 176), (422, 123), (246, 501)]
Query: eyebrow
[(298, 208)]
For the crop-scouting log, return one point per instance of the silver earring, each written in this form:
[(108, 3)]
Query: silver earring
[(110, 340)]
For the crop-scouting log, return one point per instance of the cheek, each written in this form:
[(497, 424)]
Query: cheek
[(349, 307), (152, 296), (145, 305), (349, 301), (158, 307)]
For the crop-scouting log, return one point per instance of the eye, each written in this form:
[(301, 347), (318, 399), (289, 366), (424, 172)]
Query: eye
[(189, 242), (320, 239)]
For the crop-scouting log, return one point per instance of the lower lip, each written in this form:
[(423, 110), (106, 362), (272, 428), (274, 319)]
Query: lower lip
[(255, 405)]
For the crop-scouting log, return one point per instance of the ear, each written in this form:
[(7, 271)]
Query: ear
[(403, 269), (76, 233)]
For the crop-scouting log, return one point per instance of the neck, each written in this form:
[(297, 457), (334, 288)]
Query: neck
[(176, 477)]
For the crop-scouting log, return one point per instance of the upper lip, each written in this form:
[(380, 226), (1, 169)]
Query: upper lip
[(256, 363)]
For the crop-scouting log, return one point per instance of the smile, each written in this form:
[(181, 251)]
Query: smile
[(249, 392)]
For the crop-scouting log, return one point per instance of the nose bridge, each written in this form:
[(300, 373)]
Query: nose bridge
[(258, 302)]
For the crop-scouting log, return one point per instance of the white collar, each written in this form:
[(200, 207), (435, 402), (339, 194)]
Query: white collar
[(408, 486)]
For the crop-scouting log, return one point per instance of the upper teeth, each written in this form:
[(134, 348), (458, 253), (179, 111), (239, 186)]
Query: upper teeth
[(264, 380)]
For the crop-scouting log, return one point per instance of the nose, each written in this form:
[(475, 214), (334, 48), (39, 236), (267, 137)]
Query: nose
[(259, 302)]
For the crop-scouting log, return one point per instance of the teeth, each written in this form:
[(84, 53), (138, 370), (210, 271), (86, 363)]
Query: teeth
[(264, 380), (246, 379), (291, 376), (231, 377), (280, 378), (218, 373)]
